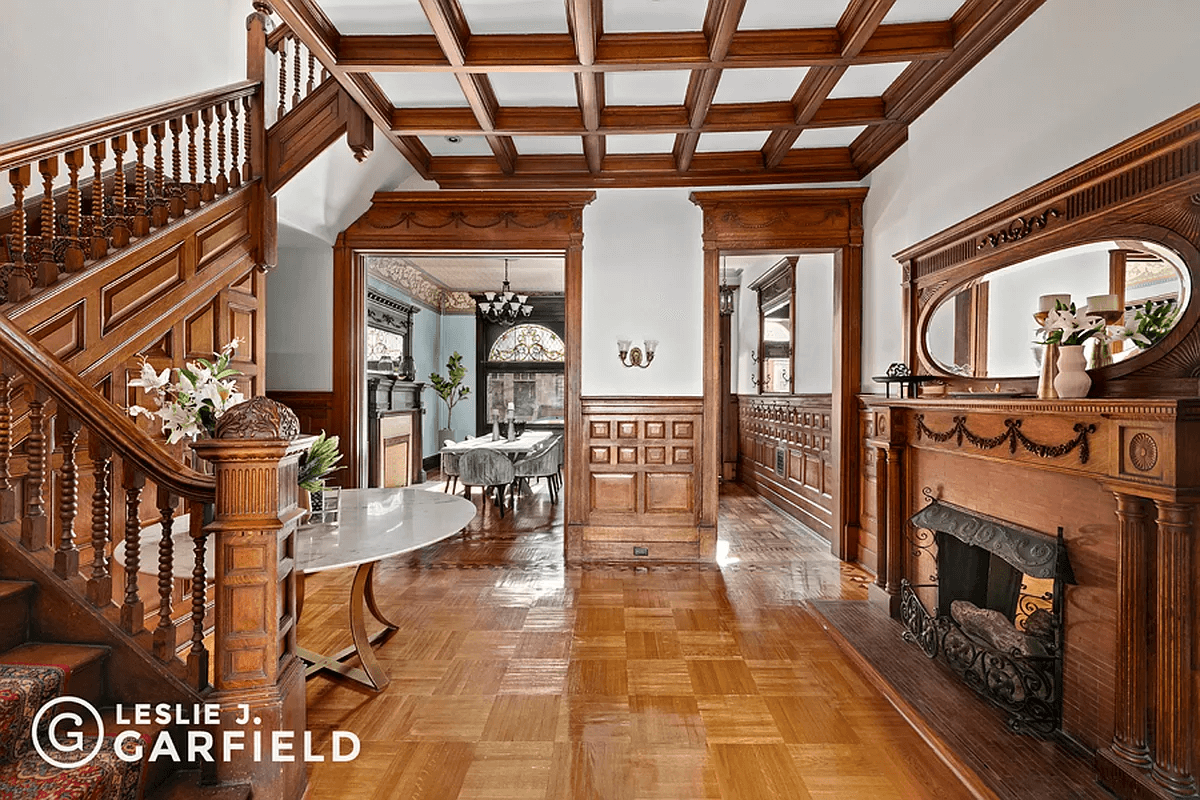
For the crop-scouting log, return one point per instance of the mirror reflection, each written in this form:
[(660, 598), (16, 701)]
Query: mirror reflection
[(988, 327)]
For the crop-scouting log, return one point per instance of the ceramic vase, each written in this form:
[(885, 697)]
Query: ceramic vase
[(1045, 390), (1072, 380)]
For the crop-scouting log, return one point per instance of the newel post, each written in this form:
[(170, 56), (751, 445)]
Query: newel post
[(265, 215), (253, 536)]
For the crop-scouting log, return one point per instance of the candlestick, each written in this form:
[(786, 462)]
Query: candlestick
[(1049, 302)]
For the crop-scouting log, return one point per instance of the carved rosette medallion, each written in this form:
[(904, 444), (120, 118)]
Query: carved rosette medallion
[(1143, 452), (258, 418)]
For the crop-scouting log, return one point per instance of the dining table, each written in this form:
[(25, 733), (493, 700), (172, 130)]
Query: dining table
[(510, 447)]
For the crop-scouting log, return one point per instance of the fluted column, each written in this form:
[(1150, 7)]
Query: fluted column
[(895, 519), (882, 531), (1174, 608), (1135, 535)]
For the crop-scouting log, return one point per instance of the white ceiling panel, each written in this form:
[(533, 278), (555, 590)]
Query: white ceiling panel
[(764, 14), (867, 80), (485, 272), (726, 142), (420, 89), (465, 146), (534, 88), (829, 137), (646, 88), (549, 145), (376, 16), (759, 85), (921, 11), (515, 16), (632, 16), (639, 143)]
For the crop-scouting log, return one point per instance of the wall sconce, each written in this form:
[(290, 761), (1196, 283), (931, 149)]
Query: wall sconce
[(634, 355)]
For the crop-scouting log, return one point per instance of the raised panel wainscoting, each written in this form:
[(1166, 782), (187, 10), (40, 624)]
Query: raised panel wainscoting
[(642, 460), (785, 456)]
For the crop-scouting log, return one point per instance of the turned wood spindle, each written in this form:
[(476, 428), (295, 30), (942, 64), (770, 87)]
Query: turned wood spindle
[(98, 152), (247, 137), (1135, 555), (193, 187), (1174, 747), (141, 189), (198, 655), (47, 269), (99, 585), (312, 65), (8, 497), (207, 189), (120, 231), (133, 612), (160, 210), (73, 257), (296, 73), (222, 182), (235, 140), (66, 558), (282, 53), (178, 196), (19, 280), (164, 634), (33, 524)]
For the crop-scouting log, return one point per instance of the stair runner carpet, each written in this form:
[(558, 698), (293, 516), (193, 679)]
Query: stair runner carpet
[(24, 774)]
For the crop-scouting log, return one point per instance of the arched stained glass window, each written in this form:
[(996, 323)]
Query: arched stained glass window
[(528, 343)]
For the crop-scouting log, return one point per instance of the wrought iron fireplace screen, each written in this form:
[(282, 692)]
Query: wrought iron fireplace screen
[(1018, 670)]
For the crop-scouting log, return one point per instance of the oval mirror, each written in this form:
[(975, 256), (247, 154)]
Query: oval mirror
[(987, 328)]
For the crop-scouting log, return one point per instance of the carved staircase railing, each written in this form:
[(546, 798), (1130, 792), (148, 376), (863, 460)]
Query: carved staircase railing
[(300, 73)]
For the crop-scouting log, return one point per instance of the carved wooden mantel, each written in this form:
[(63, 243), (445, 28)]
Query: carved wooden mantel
[(1121, 478)]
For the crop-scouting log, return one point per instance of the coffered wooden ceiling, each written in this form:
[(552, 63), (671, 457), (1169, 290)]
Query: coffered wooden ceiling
[(585, 93)]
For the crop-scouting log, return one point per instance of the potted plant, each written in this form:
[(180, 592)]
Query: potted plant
[(320, 460), (451, 390)]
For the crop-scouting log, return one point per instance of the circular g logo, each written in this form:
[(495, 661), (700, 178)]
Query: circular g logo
[(65, 734)]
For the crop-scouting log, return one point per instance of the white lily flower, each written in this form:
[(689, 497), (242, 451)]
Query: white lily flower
[(150, 380)]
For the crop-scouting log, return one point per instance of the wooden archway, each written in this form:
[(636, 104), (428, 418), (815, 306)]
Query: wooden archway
[(411, 221)]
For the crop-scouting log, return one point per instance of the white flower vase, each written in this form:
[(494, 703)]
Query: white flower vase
[(1072, 380)]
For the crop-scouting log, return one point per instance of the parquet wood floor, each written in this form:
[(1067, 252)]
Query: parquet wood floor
[(516, 678)]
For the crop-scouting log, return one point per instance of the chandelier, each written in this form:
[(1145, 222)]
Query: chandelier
[(505, 307)]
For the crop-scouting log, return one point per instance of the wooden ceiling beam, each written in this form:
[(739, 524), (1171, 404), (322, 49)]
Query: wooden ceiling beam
[(797, 47), (720, 25), (450, 28), (585, 21), (567, 120), (984, 23), (858, 24), (312, 27), (631, 171)]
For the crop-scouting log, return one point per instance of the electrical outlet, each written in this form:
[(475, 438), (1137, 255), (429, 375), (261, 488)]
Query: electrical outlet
[(641, 551)]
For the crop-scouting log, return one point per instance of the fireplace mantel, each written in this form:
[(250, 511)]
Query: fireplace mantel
[(1122, 477)]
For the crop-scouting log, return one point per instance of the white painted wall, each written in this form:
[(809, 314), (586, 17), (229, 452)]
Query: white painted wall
[(1076, 78), (812, 350), (300, 315), (643, 278), (67, 62)]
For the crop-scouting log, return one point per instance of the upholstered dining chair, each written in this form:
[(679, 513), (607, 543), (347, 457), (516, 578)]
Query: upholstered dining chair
[(450, 468), (541, 462), (489, 469)]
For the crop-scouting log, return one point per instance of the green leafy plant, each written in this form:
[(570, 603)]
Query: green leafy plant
[(450, 388), (320, 460), (1155, 320)]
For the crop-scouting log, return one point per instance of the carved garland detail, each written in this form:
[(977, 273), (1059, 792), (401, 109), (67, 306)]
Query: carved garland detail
[(461, 218), (1018, 229), (1013, 436)]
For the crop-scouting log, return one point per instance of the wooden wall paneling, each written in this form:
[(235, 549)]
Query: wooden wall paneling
[(788, 221), (305, 132), (314, 409)]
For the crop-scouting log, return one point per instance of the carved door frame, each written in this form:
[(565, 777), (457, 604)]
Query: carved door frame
[(792, 220), (449, 220)]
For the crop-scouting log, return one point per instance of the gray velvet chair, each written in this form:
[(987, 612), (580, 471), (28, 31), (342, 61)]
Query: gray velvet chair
[(489, 469), (542, 462), (450, 468)]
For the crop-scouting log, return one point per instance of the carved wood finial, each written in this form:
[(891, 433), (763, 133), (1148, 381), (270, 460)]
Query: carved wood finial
[(262, 13), (258, 418)]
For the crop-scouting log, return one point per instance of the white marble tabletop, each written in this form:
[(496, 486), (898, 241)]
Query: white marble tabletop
[(522, 444), (374, 524), (380, 523)]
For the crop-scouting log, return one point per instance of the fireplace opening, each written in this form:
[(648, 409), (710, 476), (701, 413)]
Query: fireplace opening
[(999, 610)]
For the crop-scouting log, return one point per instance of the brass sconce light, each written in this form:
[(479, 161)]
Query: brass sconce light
[(633, 357), (727, 293)]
